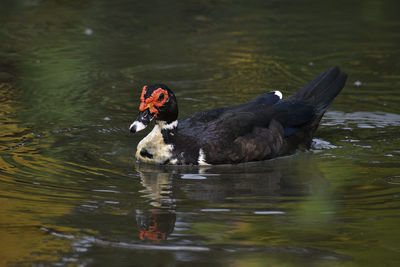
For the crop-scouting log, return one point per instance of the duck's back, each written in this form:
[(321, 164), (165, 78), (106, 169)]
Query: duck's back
[(263, 128), (205, 119), (222, 134)]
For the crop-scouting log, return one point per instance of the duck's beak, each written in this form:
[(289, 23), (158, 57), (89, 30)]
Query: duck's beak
[(144, 118)]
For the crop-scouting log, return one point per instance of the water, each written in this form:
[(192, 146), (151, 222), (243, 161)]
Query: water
[(71, 193)]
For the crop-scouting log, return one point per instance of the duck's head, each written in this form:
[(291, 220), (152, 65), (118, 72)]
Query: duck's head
[(157, 102)]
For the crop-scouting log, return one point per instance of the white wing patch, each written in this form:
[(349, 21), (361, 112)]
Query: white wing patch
[(202, 158), (173, 161), (278, 94)]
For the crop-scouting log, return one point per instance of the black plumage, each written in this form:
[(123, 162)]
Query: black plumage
[(263, 128)]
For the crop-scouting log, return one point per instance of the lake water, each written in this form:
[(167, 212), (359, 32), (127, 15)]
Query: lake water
[(71, 193)]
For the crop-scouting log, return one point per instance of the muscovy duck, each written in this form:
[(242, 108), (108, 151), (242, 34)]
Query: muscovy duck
[(263, 128)]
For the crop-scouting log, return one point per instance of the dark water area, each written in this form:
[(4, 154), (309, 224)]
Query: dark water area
[(72, 194)]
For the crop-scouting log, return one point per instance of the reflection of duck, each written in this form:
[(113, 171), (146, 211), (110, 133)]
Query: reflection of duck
[(264, 128), (157, 189), (290, 176), (158, 222), (198, 195), (155, 224)]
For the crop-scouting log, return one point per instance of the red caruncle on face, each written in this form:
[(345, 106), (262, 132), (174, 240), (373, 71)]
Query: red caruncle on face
[(157, 99)]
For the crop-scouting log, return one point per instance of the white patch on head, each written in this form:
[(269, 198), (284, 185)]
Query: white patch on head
[(154, 144), (138, 126), (166, 126), (202, 158), (278, 94)]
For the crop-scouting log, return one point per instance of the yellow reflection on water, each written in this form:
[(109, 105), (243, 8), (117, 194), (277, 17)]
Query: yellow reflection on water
[(27, 207), (22, 218), (27, 204)]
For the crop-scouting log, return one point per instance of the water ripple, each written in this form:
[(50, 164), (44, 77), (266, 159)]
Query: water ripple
[(361, 119)]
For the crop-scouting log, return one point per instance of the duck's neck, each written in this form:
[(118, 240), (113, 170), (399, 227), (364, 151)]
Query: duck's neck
[(157, 146), (163, 125), (167, 130)]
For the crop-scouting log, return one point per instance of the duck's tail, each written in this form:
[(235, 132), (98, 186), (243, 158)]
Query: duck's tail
[(305, 108), (321, 91)]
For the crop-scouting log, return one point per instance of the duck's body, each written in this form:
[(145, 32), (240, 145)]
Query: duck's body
[(264, 128)]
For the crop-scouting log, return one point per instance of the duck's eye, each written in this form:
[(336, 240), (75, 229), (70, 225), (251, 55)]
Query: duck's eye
[(161, 97)]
